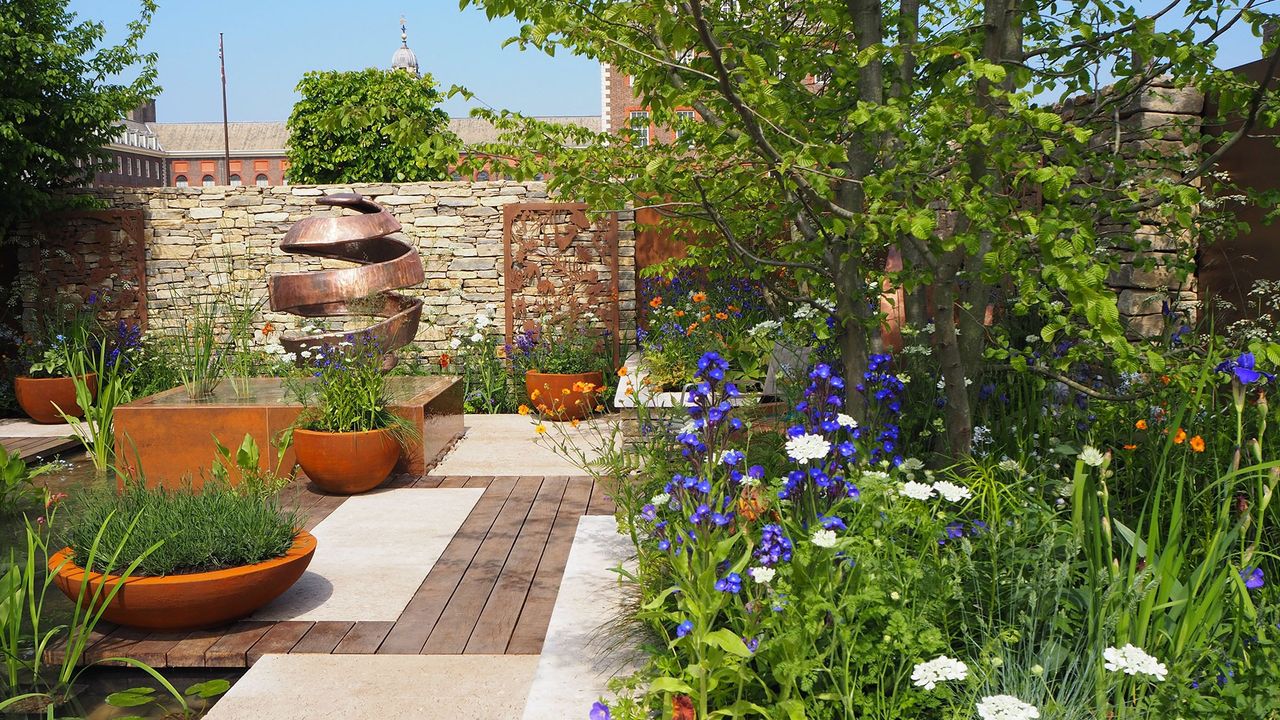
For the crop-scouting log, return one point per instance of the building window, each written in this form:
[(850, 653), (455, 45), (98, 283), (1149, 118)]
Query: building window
[(261, 180), (235, 181), (640, 128), (207, 181), (482, 175), (180, 181), (146, 168), (683, 117)]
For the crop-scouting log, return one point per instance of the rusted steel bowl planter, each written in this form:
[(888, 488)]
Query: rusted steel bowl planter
[(38, 396), (192, 601), (346, 463), (564, 396)]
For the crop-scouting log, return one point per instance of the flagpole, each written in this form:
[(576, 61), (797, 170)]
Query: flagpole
[(226, 132)]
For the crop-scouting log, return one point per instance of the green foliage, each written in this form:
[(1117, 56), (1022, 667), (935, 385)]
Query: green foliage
[(369, 126), (478, 354), (64, 97), (16, 480), (349, 391), (214, 528)]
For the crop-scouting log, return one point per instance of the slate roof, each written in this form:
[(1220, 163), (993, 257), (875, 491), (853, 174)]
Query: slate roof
[(272, 137)]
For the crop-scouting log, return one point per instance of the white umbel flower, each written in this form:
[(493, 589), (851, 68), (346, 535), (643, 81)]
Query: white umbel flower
[(1006, 707), (1092, 456), (928, 674), (911, 465), (482, 320), (1134, 661), (804, 448), (952, 492), (455, 343), (846, 421), (660, 500), (916, 490), (477, 337), (824, 538), (762, 574)]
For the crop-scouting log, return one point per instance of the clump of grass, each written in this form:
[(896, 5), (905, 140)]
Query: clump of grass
[(199, 531)]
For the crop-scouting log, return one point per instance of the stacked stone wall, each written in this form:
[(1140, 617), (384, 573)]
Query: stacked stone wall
[(200, 241)]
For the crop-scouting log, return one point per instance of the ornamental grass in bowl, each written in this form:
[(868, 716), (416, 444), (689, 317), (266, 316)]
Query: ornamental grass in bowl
[(198, 558)]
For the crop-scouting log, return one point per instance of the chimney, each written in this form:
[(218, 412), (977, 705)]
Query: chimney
[(144, 113)]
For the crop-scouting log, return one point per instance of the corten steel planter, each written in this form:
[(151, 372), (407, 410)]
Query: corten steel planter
[(561, 396), (188, 602), (346, 463), (38, 396)]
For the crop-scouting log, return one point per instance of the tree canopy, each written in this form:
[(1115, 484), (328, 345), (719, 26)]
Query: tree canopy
[(369, 126), (990, 145), (61, 100)]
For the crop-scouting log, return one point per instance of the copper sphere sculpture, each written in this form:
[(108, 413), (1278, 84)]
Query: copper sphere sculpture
[(384, 261)]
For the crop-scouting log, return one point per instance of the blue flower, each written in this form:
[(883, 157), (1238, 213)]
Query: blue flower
[(684, 628), (731, 583), (832, 523), (599, 711), (1253, 579), (1243, 368), (774, 546), (732, 457)]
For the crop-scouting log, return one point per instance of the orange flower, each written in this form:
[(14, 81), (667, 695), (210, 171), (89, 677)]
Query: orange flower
[(622, 371), (1141, 424), (444, 360), (268, 329), (733, 308), (534, 395), (542, 408), (679, 313), (1164, 379), (630, 391), (574, 422), (1130, 447), (706, 317), (699, 297), (523, 410), (691, 328), (599, 408), (540, 428), (1179, 436), (721, 316), (564, 391), (1197, 444), (655, 303)]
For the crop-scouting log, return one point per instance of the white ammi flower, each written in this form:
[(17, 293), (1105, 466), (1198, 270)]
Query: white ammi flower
[(477, 337), (455, 343), (916, 490), (482, 320), (1006, 707), (824, 538), (804, 448), (846, 421), (1092, 456), (660, 500), (951, 491), (928, 674), (911, 465), (1134, 661), (762, 574)]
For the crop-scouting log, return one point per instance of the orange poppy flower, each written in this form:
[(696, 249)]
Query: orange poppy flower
[(721, 316), (1130, 447), (444, 360), (268, 329), (1197, 444), (691, 328), (1179, 436), (679, 313), (699, 297), (622, 371), (1141, 424), (656, 302)]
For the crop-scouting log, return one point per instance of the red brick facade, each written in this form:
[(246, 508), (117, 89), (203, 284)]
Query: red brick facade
[(262, 170), (620, 109)]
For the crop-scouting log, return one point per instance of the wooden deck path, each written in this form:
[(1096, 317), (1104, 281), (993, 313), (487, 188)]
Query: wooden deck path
[(30, 448), (491, 592)]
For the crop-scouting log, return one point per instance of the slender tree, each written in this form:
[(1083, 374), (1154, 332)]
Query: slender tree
[(988, 144)]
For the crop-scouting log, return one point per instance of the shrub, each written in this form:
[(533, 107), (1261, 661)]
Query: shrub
[(212, 529)]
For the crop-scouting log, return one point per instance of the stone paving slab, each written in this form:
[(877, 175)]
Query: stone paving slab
[(575, 666), (508, 445), (380, 687), (373, 553), (13, 427)]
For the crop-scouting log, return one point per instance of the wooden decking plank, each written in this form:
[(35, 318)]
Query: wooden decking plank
[(535, 614), (323, 637), (116, 644), (428, 481), (601, 503), (189, 652), (232, 649), (324, 506), (458, 621), (411, 630), (502, 609), (363, 638), (280, 638), (154, 649), (454, 481)]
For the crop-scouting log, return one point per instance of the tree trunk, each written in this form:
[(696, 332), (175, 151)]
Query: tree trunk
[(958, 413)]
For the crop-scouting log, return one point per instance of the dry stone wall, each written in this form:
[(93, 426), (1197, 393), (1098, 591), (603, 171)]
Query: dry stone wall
[(202, 240)]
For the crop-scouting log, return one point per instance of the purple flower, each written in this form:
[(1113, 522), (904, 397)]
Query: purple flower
[(1253, 579), (684, 628), (774, 546), (1244, 370), (731, 583), (832, 523), (599, 711)]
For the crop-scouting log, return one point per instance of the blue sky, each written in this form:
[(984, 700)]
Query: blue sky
[(271, 43)]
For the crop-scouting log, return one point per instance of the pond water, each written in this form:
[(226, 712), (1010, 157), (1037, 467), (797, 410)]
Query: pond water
[(74, 474)]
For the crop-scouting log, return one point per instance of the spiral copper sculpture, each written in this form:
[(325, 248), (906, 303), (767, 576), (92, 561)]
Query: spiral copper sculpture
[(385, 263)]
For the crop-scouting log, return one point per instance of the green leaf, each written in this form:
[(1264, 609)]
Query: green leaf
[(726, 640), (209, 688), (669, 684), (133, 697)]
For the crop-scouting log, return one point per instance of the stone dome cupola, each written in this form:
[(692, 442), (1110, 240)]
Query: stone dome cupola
[(404, 58)]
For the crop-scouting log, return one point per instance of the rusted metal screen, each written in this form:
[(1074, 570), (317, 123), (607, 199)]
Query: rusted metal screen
[(560, 267)]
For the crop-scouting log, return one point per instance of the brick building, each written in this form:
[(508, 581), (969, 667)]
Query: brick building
[(621, 110), (136, 153)]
